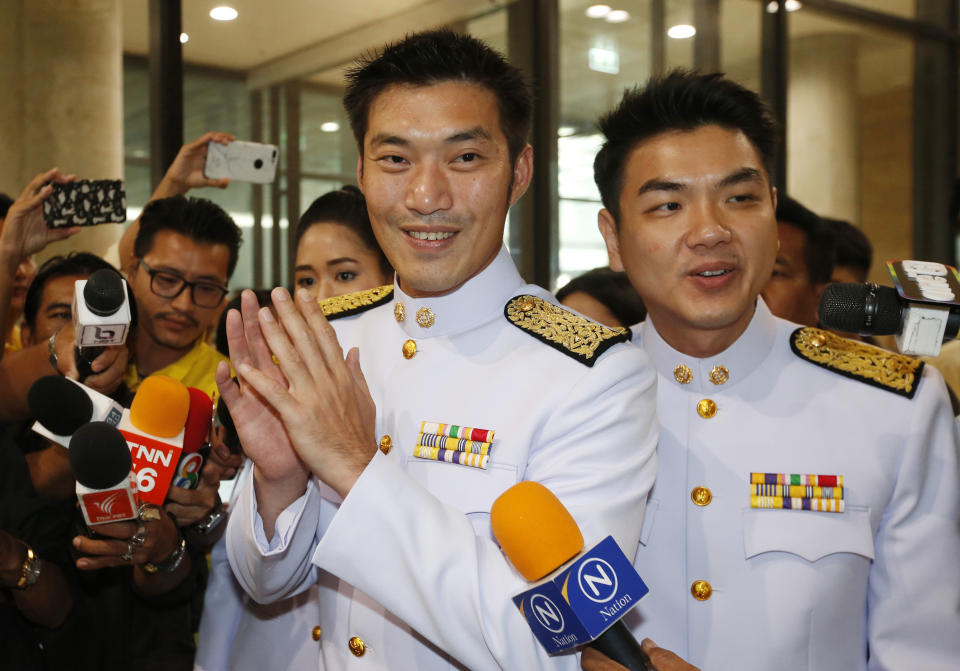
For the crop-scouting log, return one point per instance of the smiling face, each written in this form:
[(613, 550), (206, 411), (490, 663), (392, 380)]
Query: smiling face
[(437, 176), (697, 235), (332, 260)]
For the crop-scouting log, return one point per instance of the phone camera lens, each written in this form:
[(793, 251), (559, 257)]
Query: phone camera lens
[(258, 163)]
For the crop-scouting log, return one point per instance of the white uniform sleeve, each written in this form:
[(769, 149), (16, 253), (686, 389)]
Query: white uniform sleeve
[(275, 569), (596, 451), (914, 584)]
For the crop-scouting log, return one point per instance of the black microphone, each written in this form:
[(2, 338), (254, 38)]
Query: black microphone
[(540, 538), (870, 309), (102, 316), (102, 466), (61, 406)]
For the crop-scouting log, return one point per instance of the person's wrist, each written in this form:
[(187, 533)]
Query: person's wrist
[(171, 186)]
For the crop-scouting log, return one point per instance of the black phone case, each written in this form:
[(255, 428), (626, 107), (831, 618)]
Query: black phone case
[(86, 203)]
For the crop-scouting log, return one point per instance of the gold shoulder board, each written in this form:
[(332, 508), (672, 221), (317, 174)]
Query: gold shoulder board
[(336, 307), (878, 367), (575, 336)]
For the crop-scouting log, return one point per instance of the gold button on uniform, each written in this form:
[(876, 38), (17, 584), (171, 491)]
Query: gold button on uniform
[(701, 590), (357, 646), (316, 633), (706, 408), (683, 374), (386, 444), (701, 496), (425, 317), (719, 375), (409, 349)]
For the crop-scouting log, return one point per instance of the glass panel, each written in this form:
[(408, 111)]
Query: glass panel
[(327, 146), (741, 24), (599, 58), (849, 129), (679, 45)]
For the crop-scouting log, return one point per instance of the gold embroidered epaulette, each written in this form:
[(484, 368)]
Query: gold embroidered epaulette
[(336, 307), (878, 367), (575, 336)]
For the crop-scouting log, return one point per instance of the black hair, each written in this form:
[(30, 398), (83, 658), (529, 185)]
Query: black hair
[(74, 263), (5, 203), (682, 100), (199, 219), (345, 206), (818, 251), (436, 56), (613, 289), (851, 246)]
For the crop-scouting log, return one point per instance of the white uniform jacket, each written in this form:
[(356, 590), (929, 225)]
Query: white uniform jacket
[(238, 634), (409, 574), (736, 587)]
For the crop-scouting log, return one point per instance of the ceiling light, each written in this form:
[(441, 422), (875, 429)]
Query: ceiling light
[(617, 16), (566, 131), (791, 5), (681, 31), (223, 13), (329, 126), (597, 11), (184, 38)]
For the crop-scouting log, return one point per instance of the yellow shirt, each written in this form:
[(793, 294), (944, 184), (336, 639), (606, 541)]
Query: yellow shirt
[(196, 368)]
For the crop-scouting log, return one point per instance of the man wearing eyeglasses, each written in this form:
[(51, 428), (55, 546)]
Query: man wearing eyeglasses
[(185, 251)]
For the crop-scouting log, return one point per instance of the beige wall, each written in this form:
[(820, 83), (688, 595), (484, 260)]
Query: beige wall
[(62, 104)]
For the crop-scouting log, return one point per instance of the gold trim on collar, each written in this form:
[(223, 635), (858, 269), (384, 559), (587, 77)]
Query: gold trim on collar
[(359, 301), (878, 367), (575, 336)]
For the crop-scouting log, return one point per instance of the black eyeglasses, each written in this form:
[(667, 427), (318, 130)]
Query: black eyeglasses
[(170, 285)]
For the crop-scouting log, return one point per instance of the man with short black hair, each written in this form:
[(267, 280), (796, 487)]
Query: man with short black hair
[(804, 263), (185, 250), (806, 511), (368, 481), (48, 305)]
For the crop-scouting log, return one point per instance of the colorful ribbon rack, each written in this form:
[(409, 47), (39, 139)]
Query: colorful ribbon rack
[(455, 444), (797, 491)]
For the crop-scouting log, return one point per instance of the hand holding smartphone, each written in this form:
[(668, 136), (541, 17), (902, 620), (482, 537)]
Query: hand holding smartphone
[(241, 161), (85, 202)]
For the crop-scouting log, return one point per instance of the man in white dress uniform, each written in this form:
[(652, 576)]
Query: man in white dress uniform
[(805, 512), (375, 472)]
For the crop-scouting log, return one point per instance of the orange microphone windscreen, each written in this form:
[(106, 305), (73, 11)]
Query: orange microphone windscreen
[(534, 530), (160, 406)]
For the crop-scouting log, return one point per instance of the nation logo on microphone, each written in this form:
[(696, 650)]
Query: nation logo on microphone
[(582, 600)]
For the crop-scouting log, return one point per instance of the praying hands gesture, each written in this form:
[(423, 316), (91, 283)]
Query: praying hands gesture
[(311, 412)]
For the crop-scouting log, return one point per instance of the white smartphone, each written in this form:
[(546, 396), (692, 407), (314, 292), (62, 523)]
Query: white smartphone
[(242, 161)]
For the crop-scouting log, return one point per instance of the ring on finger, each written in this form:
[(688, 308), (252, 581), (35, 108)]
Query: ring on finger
[(128, 555)]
